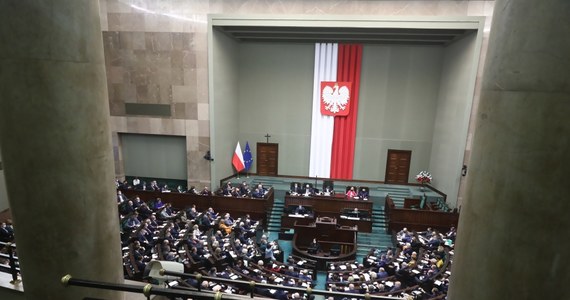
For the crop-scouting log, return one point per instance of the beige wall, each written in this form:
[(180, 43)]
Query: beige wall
[(397, 106), (452, 119), (173, 35), (225, 65), (276, 90)]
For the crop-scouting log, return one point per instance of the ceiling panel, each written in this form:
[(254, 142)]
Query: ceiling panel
[(406, 36)]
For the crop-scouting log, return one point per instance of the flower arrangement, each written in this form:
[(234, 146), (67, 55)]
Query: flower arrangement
[(424, 177)]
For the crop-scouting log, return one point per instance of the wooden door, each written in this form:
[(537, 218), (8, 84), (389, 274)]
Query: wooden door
[(267, 158), (398, 166)]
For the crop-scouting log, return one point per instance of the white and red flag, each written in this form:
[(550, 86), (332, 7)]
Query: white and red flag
[(237, 159)]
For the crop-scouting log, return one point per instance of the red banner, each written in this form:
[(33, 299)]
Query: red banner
[(335, 98)]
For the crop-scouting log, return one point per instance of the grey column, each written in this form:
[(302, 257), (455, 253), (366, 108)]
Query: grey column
[(514, 229), (56, 146)]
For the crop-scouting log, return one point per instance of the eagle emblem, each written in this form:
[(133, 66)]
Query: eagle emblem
[(335, 98)]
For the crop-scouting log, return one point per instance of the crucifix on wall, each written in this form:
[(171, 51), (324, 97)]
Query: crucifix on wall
[(267, 136)]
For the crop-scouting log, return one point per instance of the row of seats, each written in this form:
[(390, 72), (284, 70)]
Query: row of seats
[(418, 269), (235, 254), (351, 191)]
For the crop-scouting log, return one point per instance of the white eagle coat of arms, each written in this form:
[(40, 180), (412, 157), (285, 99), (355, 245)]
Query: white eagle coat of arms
[(335, 98)]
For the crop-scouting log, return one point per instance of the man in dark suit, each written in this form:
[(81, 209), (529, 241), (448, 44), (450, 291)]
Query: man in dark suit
[(228, 189), (363, 193), (5, 235), (244, 188), (327, 191), (300, 210), (257, 193), (308, 191), (295, 189), (314, 247), (206, 192), (404, 275), (120, 197)]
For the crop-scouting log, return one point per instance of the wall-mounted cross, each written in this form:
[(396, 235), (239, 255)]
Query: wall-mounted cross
[(267, 136)]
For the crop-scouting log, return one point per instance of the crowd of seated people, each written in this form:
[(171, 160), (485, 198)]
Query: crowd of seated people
[(6, 231), (6, 236), (308, 190), (243, 190), (208, 242), (418, 269), (153, 185)]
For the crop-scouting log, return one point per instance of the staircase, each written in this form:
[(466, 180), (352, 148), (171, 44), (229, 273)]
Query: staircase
[(274, 216), (378, 238), (397, 193)]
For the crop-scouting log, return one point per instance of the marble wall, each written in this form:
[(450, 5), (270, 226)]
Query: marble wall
[(156, 53)]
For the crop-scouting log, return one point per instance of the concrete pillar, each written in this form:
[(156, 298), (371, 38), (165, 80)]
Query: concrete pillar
[(513, 231), (56, 146)]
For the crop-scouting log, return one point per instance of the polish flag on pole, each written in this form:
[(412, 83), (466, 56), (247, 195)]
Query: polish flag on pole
[(237, 159)]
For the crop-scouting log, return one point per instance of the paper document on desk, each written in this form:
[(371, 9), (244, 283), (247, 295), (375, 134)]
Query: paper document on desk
[(296, 216)]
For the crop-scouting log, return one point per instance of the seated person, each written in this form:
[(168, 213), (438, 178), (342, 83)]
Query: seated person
[(355, 213), (244, 189), (154, 186), (236, 192), (257, 193), (192, 190), (314, 247), (351, 193), (327, 190), (136, 182), (363, 193), (227, 190), (206, 192), (300, 210), (308, 191), (262, 189), (295, 189)]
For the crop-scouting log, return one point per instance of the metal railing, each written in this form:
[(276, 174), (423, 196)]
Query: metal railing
[(14, 266), (150, 289)]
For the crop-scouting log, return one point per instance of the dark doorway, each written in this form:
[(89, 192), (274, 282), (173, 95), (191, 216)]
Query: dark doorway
[(398, 166), (267, 158)]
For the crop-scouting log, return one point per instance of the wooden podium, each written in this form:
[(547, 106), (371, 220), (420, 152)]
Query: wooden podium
[(330, 236)]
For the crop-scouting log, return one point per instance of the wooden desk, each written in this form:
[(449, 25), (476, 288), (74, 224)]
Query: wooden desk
[(328, 235), (288, 221), (257, 208), (416, 219), (332, 206)]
